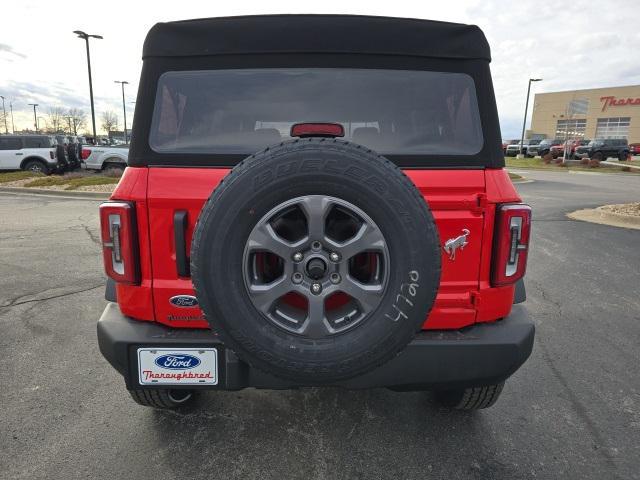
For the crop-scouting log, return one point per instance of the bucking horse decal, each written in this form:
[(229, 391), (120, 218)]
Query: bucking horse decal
[(453, 244)]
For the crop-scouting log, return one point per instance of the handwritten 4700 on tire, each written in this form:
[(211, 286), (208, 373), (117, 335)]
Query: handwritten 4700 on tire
[(316, 260)]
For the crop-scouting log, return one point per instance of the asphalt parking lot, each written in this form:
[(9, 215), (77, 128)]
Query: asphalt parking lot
[(572, 411)]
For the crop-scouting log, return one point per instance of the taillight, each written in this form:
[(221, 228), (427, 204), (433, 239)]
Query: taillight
[(120, 241), (52, 154), (84, 153), (511, 243)]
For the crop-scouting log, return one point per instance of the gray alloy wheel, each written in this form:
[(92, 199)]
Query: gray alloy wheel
[(36, 166), (316, 265)]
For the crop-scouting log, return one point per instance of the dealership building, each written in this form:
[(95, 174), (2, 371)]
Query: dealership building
[(594, 113)]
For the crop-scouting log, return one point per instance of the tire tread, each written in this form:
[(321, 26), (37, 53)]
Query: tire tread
[(472, 398), (155, 399)]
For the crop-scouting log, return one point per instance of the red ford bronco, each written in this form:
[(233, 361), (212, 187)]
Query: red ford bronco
[(315, 200)]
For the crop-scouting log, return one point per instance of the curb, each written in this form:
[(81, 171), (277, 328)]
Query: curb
[(602, 217), (621, 217), (621, 165), (573, 172), (524, 180), (56, 193)]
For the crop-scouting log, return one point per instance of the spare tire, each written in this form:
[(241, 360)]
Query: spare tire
[(316, 260)]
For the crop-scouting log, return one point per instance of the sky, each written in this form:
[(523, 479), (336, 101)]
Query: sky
[(570, 45)]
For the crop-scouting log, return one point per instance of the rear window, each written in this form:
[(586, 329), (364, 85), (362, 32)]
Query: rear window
[(8, 143), (395, 112)]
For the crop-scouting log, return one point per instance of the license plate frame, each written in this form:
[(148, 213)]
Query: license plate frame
[(162, 366)]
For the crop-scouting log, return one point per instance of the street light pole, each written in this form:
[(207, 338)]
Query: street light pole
[(124, 108), (4, 115), (35, 115), (524, 122), (85, 37)]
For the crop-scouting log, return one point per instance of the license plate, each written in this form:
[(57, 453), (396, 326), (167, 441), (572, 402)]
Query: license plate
[(181, 366)]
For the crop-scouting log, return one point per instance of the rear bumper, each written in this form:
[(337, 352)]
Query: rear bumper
[(483, 354)]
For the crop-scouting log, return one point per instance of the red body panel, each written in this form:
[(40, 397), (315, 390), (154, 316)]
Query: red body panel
[(137, 300), (172, 189), (459, 199)]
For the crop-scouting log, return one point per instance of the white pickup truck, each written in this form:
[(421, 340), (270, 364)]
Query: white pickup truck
[(97, 157)]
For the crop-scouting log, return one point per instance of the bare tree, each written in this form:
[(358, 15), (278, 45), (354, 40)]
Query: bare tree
[(4, 122), (77, 119), (55, 119), (109, 121)]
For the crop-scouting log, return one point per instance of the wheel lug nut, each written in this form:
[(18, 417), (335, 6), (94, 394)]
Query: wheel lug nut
[(335, 278), (297, 257), (316, 288), (296, 277), (316, 245), (334, 257)]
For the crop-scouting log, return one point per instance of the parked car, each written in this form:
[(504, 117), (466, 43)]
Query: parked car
[(570, 146), (112, 159), (61, 152), (532, 148), (514, 148), (544, 147), (634, 148), (578, 143), (36, 153), (73, 152), (601, 149), (250, 245), (506, 143)]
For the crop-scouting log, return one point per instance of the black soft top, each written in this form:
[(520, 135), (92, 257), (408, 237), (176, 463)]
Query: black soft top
[(316, 34)]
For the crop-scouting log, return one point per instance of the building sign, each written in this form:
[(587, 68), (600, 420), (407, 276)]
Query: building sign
[(612, 101), (578, 106)]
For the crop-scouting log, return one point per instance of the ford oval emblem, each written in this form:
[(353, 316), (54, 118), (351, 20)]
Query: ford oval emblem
[(175, 361), (184, 301)]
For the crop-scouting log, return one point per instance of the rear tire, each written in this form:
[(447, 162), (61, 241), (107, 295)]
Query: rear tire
[(112, 168), (473, 398), (165, 399), (36, 166)]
